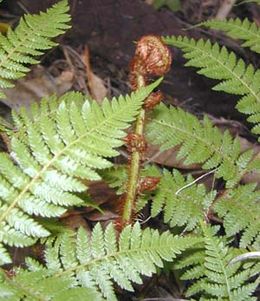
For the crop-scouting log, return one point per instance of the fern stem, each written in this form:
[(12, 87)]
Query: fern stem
[(152, 57), (134, 170)]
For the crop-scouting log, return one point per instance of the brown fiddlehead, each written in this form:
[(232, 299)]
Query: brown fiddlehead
[(152, 58)]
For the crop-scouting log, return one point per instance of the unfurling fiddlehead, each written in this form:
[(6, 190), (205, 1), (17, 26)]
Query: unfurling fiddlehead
[(152, 58)]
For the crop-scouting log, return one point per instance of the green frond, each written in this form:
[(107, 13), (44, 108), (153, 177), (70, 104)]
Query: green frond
[(243, 30), (43, 174), (39, 286), (199, 142), (98, 262), (236, 78), (183, 205), (116, 177), (214, 277), (47, 108), (240, 210), (30, 39)]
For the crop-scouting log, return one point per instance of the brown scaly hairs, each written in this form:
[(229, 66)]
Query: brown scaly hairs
[(152, 59)]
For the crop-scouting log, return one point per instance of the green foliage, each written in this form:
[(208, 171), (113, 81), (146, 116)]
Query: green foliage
[(32, 36), (215, 278), (43, 174), (236, 78), (61, 144), (77, 262), (39, 285), (240, 209), (183, 205), (116, 177), (243, 30), (47, 108), (199, 142), (183, 202)]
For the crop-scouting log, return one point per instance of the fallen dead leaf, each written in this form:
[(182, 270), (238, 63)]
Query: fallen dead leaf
[(37, 84), (96, 85), (105, 215), (149, 1), (74, 221)]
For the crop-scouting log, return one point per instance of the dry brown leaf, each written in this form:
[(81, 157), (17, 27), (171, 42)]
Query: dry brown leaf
[(105, 215), (75, 220), (96, 85), (149, 1), (37, 84)]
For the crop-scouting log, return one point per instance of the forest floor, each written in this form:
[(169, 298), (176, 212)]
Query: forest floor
[(93, 57)]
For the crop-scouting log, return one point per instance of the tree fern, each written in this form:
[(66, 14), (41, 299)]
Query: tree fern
[(217, 63), (244, 30), (32, 36), (214, 277), (42, 176), (199, 142), (240, 209), (95, 263), (183, 208)]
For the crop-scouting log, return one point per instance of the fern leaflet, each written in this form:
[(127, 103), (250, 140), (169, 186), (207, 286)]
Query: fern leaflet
[(116, 177), (240, 209), (39, 286), (244, 30), (99, 261), (181, 207), (214, 277), (199, 142), (42, 176), (47, 108), (217, 63), (32, 36)]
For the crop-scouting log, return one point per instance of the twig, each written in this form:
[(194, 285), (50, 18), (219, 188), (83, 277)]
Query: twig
[(225, 9), (195, 181), (246, 256)]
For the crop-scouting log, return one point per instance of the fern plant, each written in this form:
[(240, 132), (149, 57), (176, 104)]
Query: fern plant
[(181, 207), (215, 277), (218, 63), (31, 37), (241, 203), (244, 30), (76, 262), (57, 147), (42, 174), (200, 142)]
